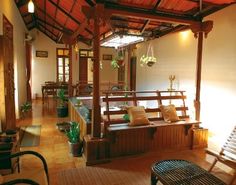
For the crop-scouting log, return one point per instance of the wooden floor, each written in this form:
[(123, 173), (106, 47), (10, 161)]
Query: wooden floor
[(53, 146)]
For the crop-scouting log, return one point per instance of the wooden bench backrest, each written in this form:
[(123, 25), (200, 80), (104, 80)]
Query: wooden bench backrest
[(135, 97)]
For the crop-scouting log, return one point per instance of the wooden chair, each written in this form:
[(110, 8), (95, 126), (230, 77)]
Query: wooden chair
[(227, 155), (50, 90), (33, 176)]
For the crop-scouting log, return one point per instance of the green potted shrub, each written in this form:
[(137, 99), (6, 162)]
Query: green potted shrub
[(62, 108), (25, 108), (73, 135), (114, 64)]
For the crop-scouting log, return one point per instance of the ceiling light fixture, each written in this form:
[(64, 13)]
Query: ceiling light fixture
[(121, 41), (31, 7)]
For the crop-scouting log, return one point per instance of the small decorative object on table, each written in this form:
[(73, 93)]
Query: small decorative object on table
[(171, 78)]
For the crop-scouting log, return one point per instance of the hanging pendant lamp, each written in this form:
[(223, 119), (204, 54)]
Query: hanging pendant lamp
[(31, 7)]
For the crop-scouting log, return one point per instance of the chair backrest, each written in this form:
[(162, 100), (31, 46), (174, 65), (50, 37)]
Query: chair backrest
[(229, 148)]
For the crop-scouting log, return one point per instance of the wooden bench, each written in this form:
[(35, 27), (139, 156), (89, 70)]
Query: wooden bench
[(159, 135)]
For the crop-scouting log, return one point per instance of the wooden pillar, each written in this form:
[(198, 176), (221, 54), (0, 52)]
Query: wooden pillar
[(128, 68), (199, 30), (96, 114), (198, 76), (70, 88)]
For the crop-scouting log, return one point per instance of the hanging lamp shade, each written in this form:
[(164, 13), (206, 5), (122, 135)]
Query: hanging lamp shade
[(31, 7)]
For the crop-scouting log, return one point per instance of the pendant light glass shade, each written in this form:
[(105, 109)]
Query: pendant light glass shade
[(31, 7)]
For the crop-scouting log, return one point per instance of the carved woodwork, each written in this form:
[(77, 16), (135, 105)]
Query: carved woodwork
[(7, 101), (204, 27)]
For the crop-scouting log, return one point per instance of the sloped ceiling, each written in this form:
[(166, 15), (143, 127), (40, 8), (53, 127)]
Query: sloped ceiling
[(150, 18)]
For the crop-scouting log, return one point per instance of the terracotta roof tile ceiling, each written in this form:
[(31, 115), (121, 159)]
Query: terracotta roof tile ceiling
[(149, 18)]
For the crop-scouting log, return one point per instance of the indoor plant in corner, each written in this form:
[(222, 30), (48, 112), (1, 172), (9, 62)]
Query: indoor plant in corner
[(75, 145), (62, 109)]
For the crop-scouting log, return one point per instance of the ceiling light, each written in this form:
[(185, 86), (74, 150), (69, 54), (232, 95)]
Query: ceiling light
[(118, 41), (31, 7)]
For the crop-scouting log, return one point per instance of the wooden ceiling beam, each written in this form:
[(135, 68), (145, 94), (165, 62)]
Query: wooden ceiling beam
[(67, 14), (115, 9), (55, 21), (52, 26), (157, 4), (54, 39), (125, 27), (172, 30), (90, 3), (144, 26), (47, 30)]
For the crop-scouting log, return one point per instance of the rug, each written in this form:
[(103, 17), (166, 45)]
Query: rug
[(31, 135)]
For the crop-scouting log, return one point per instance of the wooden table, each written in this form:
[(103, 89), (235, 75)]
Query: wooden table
[(181, 172), (52, 87)]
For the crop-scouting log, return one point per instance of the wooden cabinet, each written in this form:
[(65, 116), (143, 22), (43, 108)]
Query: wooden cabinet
[(7, 101)]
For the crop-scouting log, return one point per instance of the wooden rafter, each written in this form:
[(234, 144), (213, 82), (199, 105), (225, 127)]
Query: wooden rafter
[(55, 13), (157, 4), (141, 13), (90, 3), (46, 33), (52, 26), (47, 30), (67, 14), (148, 21), (54, 20)]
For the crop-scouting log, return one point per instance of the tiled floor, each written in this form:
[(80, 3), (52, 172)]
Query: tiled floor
[(53, 145)]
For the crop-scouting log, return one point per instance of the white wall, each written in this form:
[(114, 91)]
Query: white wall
[(43, 69), (9, 9), (177, 56)]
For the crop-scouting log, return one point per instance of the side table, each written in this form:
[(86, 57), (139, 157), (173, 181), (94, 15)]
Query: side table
[(181, 172)]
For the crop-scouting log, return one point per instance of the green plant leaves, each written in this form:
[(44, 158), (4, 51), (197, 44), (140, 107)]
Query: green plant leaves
[(74, 133)]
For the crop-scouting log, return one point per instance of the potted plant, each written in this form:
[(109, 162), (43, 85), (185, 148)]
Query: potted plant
[(120, 57), (73, 135), (149, 58), (25, 108), (62, 109), (114, 64)]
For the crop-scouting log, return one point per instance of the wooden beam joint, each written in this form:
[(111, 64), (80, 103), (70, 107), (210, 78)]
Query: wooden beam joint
[(204, 27)]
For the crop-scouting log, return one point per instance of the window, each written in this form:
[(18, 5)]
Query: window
[(63, 65)]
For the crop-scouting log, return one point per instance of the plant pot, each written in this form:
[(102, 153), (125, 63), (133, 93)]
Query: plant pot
[(75, 149), (62, 112), (121, 62), (150, 63)]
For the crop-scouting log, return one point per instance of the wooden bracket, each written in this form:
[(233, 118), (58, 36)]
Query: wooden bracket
[(204, 27)]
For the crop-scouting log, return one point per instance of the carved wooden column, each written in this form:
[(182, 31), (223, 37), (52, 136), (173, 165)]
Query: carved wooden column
[(70, 88), (199, 30), (96, 114)]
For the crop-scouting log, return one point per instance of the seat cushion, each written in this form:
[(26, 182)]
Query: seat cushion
[(169, 113), (137, 116), (37, 175)]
